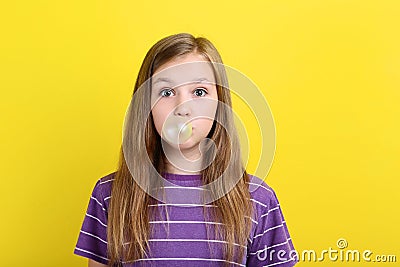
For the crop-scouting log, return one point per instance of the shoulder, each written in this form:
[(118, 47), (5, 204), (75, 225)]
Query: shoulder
[(262, 195), (92, 239), (263, 198), (102, 190), (105, 183)]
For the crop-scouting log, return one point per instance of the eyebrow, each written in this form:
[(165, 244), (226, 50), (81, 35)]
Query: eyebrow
[(167, 80)]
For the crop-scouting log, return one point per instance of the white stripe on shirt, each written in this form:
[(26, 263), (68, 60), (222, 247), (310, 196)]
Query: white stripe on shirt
[(95, 236), (103, 182), (97, 219), (260, 185), (193, 240), (188, 259), (262, 250), (271, 228), (86, 251), (183, 205), (184, 222), (265, 214)]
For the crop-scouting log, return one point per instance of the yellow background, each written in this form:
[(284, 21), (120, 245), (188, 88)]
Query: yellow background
[(330, 71)]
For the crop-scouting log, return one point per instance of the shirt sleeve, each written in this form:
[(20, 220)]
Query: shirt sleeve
[(271, 244), (92, 239)]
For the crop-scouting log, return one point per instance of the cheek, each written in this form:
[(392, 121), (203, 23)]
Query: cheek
[(159, 117), (204, 126), (208, 109)]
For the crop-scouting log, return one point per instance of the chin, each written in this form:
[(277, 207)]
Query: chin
[(189, 144)]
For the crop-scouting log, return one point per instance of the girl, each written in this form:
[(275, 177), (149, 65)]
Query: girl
[(126, 225)]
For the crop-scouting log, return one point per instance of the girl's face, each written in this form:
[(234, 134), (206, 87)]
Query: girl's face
[(184, 89)]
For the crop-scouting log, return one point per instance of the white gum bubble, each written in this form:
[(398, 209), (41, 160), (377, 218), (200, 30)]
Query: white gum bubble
[(177, 131)]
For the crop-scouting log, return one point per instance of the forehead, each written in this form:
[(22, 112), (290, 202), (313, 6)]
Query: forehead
[(184, 70)]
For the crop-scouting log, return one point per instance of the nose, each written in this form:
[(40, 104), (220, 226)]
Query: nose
[(183, 108)]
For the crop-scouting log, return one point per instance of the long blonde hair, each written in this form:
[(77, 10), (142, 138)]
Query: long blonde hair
[(129, 211)]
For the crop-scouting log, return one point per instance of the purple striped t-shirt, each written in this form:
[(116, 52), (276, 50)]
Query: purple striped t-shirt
[(186, 243)]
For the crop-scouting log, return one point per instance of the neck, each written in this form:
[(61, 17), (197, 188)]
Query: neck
[(188, 161)]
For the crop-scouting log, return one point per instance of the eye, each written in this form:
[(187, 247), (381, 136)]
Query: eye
[(166, 92), (201, 91)]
